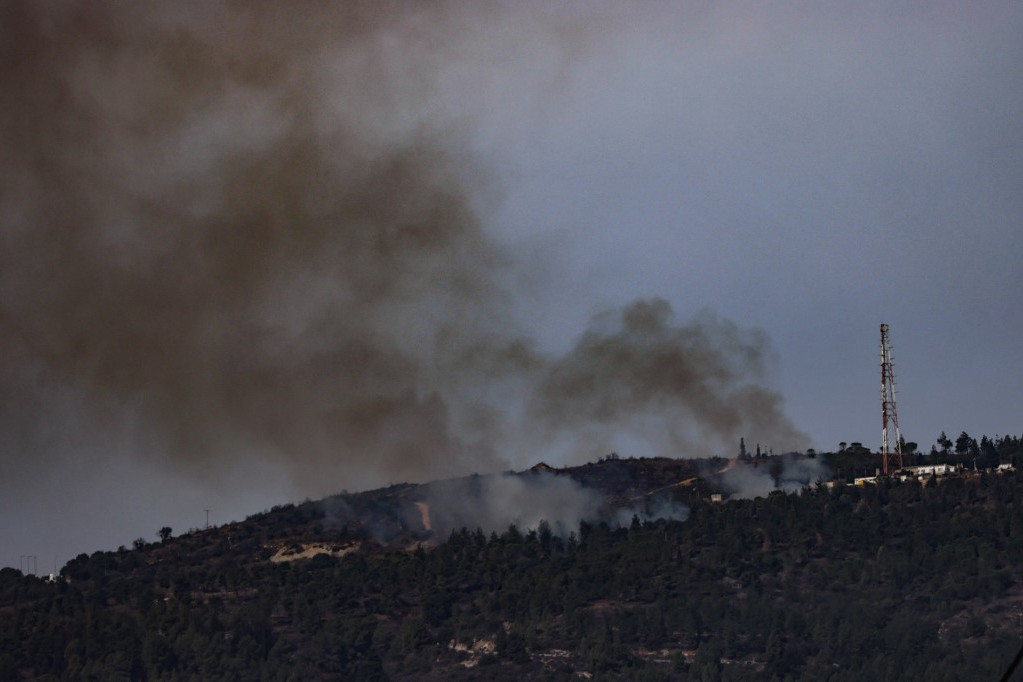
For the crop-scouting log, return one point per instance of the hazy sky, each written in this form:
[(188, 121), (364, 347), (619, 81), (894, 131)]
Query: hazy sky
[(251, 254)]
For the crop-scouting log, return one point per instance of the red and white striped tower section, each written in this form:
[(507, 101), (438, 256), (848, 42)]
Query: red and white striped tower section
[(890, 460)]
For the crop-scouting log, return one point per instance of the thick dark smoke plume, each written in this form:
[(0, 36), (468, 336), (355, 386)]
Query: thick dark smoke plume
[(222, 238), (685, 388), (239, 232)]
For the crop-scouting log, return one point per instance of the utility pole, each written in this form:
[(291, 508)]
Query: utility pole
[(207, 519), (890, 460)]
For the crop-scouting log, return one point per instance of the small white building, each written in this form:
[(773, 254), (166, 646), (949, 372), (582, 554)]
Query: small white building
[(932, 470)]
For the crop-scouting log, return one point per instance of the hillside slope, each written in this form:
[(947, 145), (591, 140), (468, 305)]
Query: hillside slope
[(898, 581)]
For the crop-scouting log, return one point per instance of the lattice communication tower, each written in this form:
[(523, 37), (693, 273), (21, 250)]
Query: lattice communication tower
[(891, 459)]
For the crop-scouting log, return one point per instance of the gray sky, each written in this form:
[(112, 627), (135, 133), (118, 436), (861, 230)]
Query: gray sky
[(251, 258), (811, 173)]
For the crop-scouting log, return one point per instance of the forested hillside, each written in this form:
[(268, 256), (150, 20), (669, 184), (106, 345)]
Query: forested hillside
[(895, 581)]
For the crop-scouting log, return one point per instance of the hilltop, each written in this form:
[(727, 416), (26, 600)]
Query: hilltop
[(903, 580), (404, 516)]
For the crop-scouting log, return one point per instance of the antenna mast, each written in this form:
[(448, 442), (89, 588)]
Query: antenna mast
[(890, 461)]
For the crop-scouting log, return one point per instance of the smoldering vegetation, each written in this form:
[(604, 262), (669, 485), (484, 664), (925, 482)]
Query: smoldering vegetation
[(787, 473), (495, 502), (406, 514), (652, 509), (240, 232)]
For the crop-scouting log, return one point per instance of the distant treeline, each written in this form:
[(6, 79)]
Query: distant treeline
[(853, 459)]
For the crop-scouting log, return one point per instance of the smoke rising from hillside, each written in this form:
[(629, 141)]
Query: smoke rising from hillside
[(796, 473), (682, 387), (493, 503), (242, 233), (222, 226)]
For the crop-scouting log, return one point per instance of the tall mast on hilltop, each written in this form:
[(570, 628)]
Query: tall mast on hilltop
[(890, 461)]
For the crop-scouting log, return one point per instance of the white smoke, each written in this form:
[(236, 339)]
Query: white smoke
[(745, 481), (493, 503)]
